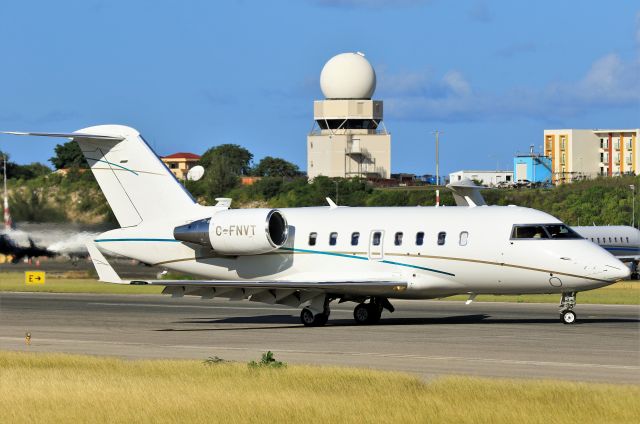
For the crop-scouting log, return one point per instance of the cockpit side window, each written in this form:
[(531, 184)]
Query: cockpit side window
[(561, 231), (528, 232), (543, 231)]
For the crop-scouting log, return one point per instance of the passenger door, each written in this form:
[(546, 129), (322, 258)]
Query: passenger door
[(376, 245)]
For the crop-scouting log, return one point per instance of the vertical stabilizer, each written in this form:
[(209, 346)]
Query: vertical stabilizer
[(137, 184)]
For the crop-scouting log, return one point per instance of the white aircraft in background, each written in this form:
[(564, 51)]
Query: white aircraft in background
[(621, 241), (311, 256)]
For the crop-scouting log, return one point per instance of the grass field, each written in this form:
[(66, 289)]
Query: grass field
[(56, 388), (625, 293), (14, 281)]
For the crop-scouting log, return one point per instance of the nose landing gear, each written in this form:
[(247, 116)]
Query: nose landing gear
[(567, 303)]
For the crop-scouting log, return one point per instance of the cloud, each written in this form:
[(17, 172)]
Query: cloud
[(516, 49), (369, 4), (609, 82), (480, 12)]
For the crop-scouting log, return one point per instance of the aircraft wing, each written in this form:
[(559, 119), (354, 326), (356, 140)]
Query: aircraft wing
[(290, 293), (286, 292), (370, 286)]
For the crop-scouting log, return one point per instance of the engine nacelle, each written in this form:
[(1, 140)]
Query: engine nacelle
[(238, 231)]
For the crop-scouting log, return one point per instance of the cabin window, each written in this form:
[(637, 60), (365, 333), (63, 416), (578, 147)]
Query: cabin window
[(397, 240), (376, 238), (441, 238), (627, 239), (419, 238), (464, 236), (598, 240), (609, 239), (615, 239), (312, 239), (333, 239), (355, 238)]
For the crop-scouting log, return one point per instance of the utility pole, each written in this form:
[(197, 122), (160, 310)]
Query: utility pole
[(437, 133), (633, 202), (7, 216)]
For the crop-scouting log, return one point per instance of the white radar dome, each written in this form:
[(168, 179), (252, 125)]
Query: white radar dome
[(348, 76)]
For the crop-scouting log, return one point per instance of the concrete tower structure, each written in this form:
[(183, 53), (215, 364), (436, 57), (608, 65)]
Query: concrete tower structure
[(348, 138)]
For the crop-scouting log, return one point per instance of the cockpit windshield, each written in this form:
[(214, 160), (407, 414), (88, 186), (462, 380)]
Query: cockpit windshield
[(543, 231)]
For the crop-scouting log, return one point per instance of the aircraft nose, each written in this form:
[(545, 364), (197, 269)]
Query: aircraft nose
[(615, 271)]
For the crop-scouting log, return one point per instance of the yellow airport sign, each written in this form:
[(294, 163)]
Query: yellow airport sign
[(34, 277)]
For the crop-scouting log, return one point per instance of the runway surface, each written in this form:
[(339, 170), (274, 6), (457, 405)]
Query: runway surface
[(428, 338)]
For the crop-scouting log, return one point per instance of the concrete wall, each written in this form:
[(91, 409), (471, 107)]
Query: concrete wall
[(328, 155)]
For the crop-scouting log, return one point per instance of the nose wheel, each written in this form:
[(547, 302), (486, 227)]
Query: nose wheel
[(567, 303), (568, 317)]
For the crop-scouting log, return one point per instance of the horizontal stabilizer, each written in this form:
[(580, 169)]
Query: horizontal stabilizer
[(66, 135)]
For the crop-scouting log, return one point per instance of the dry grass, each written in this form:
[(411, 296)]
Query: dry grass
[(47, 388)]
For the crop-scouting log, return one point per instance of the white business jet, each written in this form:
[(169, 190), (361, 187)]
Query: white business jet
[(312, 256)]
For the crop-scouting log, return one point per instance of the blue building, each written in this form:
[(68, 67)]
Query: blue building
[(532, 167)]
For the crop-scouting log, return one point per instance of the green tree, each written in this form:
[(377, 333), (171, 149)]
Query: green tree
[(237, 158), (219, 178), (68, 155), (25, 172), (276, 167), (223, 165)]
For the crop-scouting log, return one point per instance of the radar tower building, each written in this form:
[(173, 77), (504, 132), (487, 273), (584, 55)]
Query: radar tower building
[(348, 138)]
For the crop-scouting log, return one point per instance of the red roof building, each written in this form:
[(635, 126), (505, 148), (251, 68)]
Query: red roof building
[(180, 163)]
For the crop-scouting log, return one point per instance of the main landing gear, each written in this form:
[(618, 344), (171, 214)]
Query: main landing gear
[(369, 313), (568, 301), (364, 313), (310, 320)]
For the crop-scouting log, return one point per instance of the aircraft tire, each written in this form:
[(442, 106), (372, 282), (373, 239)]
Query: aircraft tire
[(308, 319), (366, 313), (375, 311), (568, 317)]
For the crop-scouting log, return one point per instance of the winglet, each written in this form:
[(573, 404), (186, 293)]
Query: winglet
[(331, 203), (105, 271)]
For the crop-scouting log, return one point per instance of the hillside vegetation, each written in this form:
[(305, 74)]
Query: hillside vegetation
[(38, 195), (77, 197)]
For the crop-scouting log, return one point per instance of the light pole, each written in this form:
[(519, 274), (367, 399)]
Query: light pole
[(336, 183), (633, 203), (437, 133)]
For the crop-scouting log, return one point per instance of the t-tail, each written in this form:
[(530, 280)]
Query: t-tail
[(136, 183)]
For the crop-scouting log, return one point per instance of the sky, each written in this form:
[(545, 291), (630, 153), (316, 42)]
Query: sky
[(191, 74)]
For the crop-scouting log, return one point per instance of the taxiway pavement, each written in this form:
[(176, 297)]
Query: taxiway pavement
[(428, 338)]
